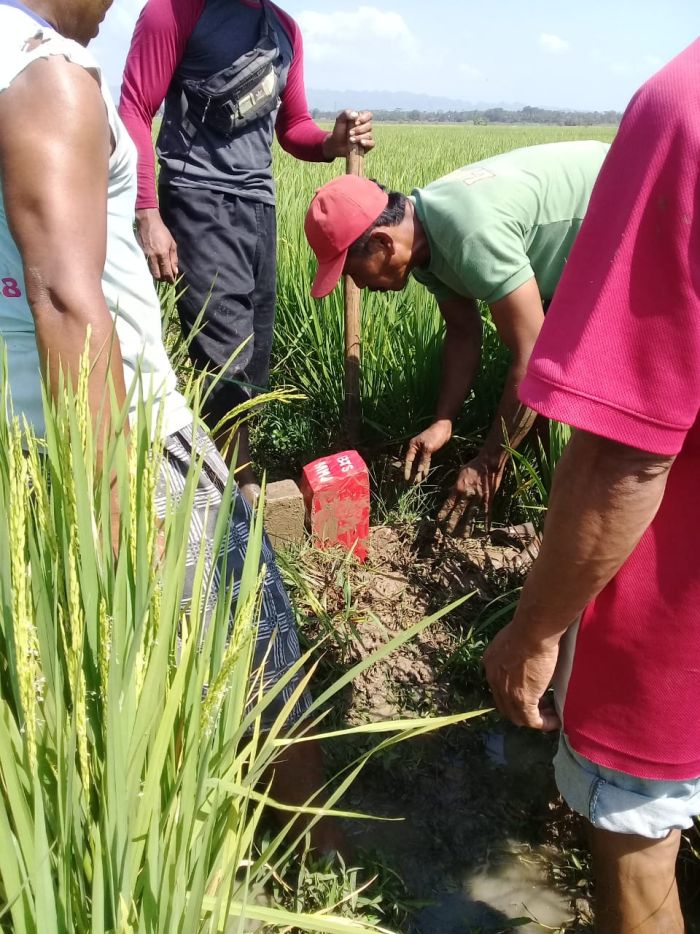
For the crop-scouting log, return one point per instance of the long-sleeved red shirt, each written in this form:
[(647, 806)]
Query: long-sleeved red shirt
[(159, 43)]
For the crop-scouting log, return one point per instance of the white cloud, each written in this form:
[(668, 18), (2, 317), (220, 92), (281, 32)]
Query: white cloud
[(637, 69), (621, 68), (554, 44), (470, 71), (356, 34)]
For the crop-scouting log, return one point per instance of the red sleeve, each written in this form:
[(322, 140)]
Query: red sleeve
[(157, 47), (297, 132), (619, 353)]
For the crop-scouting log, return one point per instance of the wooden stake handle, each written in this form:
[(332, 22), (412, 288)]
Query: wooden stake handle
[(355, 160), (354, 165)]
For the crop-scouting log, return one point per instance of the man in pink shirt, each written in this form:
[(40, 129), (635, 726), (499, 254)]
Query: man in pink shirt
[(230, 72), (618, 358)]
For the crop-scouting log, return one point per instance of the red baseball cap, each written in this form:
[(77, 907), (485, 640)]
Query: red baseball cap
[(340, 212)]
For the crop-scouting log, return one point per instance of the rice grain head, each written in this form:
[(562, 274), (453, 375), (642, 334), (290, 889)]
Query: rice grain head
[(77, 628), (243, 630), (26, 643)]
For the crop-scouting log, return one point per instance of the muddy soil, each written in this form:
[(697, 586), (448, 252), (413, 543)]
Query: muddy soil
[(469, 817)]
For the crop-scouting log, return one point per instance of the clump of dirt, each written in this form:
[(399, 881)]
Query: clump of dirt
[(405, 578)]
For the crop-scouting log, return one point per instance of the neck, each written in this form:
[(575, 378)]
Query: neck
[(45, 9), (420, 248)]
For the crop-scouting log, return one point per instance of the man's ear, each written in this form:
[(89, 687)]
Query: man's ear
[(382, 239)]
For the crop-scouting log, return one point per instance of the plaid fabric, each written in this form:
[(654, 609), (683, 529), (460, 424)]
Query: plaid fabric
[(277, 643)]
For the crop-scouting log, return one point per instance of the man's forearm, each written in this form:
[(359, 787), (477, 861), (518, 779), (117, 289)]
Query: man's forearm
[(603, 499), (460, 361), (61, 335), (512, 422)]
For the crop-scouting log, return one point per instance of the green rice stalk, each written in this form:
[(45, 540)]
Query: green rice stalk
[(24, 630), (129, 801)]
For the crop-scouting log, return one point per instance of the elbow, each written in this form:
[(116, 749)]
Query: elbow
[(465, 342), (282, 133), (283, 140), (78, 297), (518, 371), (519, 361), (136, 115), (288, 142), (39, 292), (612, 458)]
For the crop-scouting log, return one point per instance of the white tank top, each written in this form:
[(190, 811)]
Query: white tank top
[(126, 282)]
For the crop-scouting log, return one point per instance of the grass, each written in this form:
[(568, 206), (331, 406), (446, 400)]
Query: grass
[(402, 333), (373, 893), (533, 471)]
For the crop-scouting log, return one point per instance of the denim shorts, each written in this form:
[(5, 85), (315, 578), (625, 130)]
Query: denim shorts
[(615, 801)]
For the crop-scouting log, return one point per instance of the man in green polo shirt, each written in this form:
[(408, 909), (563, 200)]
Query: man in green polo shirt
[(498, 231)]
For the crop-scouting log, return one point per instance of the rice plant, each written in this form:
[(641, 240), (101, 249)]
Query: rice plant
[(533, 469), (133, 766)]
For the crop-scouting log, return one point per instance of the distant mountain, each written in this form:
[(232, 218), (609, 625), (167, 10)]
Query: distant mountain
[(325, 100)]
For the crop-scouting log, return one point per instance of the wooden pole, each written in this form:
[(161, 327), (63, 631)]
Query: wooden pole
[(354, 165)]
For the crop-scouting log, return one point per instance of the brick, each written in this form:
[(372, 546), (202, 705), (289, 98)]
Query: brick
[(284, 513), (336, 493)]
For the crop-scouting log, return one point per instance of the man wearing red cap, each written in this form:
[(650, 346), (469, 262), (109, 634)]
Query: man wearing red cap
[(497, 231)]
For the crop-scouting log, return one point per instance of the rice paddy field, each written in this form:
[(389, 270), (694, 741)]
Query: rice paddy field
[(402, 332), (135, 791)]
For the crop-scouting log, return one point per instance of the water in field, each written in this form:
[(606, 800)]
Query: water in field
[(470, 847)]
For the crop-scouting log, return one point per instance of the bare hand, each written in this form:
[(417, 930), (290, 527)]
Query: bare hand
[(350, 128), (474, 490), (158, 245), (519, 673), (422, 447)]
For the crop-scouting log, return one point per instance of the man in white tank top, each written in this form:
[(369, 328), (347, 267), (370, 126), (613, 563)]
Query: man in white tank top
[(69, 261)]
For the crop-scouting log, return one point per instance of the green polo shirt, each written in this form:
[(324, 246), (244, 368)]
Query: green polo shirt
[(494, 224)]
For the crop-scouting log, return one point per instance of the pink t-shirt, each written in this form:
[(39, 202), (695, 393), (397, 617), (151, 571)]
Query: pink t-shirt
[(619, 356)]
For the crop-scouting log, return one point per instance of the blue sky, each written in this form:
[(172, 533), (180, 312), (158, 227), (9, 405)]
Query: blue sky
[(587, 54)]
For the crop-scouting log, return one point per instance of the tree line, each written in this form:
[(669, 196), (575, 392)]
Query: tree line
[(492, 115)]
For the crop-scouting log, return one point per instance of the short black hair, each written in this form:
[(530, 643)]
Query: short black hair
[(391, 216)]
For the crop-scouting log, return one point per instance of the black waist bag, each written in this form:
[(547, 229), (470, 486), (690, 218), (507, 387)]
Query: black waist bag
[(237, 95)]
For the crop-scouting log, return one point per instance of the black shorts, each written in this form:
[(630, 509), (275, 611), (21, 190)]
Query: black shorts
[(226, 252)]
